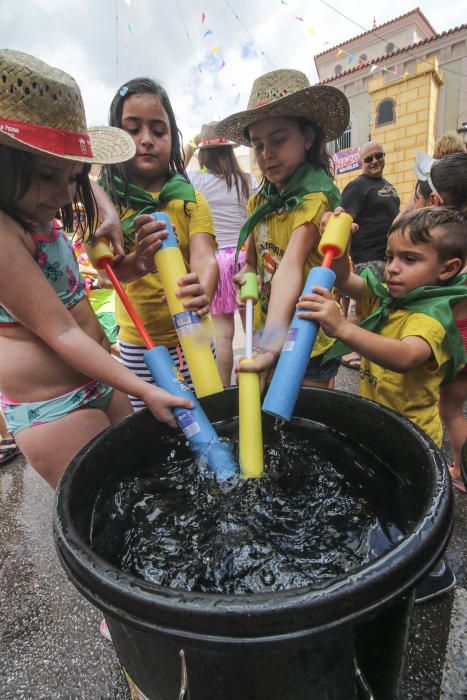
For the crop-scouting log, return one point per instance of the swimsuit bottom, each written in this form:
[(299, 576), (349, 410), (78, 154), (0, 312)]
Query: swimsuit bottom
[(18, 416)]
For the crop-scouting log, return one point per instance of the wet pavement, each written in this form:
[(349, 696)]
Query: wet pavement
[(50, 646)]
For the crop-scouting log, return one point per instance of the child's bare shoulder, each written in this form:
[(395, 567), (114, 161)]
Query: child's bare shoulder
[(12, 235)]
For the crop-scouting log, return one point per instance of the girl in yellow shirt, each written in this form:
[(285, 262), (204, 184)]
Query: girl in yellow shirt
[(155, 180), (287, 124)]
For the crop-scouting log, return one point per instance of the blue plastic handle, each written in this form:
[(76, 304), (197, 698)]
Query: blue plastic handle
[(194, 423), (283, 391), (171, 240)]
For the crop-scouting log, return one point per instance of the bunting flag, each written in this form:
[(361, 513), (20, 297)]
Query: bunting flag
[(128, 2), (203, 18), (300, 19), (362, 64), (312, 31), (209, 32), (215, 49), (130, 29)]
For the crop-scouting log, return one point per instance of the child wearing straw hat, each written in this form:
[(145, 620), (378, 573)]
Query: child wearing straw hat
[(227, 189), (59, 385), (287, 123)]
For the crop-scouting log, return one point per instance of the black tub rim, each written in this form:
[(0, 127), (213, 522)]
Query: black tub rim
[(262, 615)]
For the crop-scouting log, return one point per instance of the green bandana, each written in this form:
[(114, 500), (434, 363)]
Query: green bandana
[(176, 187), (305, 180), (435, 301)]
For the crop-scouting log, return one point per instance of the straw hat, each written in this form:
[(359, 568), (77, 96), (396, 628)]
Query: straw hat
[(42, 111), (287, 93), (209, 138)]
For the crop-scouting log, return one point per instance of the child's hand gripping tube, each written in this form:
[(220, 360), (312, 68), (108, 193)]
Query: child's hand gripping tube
[(101, 258), (203, 439), (193, 422), (190, 328), (285, 385), (251, 430)]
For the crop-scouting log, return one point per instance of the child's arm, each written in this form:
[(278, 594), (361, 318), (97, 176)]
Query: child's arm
[(108, 220), (347, 281), (50, 321), (248, 266), (149, 234), (189, 149), (286, 286), (395, 355), (201, 282)]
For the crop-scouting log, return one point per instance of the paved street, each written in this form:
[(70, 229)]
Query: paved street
[(50, 646)]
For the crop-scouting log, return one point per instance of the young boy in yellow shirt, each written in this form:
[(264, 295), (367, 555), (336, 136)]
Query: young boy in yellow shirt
[(408, 339)]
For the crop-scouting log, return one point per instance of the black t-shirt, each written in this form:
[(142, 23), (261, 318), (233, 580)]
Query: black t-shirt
[(375, 203)]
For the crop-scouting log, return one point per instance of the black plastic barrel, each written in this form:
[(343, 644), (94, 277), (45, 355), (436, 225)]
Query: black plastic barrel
[(289, 645)]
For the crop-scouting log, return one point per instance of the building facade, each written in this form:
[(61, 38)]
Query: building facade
[(406, 86)]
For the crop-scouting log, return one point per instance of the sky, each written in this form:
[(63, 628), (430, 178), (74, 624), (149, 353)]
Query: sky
[(206, 53)]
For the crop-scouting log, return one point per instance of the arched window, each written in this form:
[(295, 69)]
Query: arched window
[(385, 112), (345, 140), (338, 69), (389, 48)]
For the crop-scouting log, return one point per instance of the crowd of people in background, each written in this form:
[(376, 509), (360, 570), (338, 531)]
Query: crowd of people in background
[(406, 333)]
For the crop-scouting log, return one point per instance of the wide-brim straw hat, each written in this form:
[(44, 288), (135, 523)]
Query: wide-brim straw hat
[(42, 111), (210, 139), (287, 93)]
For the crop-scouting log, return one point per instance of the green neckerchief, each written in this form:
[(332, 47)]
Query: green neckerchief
[(176, 187), (435, 301), (305, 180)]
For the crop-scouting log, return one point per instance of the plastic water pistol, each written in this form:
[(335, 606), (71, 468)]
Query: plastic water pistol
[(193, 333), (285, 385), (251, 431), (203, 439)]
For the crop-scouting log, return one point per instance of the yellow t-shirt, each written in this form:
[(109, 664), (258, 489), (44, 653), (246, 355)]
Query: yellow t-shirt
[(272, 236), (414, 394), (146, 292)]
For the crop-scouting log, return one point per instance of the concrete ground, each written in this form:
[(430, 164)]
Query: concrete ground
[(49, 641)]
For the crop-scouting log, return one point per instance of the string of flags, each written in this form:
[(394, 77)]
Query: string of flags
[(364, 62), (219, 62)]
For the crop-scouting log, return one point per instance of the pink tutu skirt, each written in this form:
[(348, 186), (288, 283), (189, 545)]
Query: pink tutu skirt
[(224, 301)]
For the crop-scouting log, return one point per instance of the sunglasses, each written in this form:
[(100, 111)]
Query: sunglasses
[(376, 156)]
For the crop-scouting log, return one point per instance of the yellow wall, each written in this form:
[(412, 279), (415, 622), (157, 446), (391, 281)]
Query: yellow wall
[(416, 100)]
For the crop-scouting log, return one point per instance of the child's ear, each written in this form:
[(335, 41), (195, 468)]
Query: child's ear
[(450, 268), (435, 200), (310, 136)]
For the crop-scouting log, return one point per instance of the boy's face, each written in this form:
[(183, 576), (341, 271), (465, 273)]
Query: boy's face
[(411, 265)]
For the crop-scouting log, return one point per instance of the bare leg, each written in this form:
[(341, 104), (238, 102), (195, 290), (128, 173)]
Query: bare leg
[(3, 429), (8, 447), (451, 408), (224, 329), (50, 447), (242, 313)]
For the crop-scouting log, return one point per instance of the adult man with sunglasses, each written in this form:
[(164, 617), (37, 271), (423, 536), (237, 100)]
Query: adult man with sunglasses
[(373, 204)]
